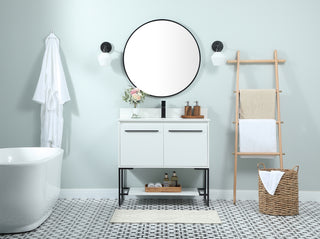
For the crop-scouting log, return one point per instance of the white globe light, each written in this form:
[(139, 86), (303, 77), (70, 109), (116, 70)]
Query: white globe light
[(104, 58), (218, 59)]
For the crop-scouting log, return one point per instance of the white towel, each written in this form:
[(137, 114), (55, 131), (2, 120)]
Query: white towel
[(151, 185), (51, 93), (158, 185), (270, 180), (257, 135)]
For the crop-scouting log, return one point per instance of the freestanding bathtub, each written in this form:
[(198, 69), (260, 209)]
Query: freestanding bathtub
[(29, 186)]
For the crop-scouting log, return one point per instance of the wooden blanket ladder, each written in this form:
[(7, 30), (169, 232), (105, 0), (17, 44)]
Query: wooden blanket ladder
[(236, 153)]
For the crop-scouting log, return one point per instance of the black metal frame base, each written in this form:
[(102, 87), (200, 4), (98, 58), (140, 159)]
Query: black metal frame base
[(123, 190), (205, 190)]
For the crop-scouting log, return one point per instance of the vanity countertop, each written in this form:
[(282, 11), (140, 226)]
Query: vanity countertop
[(162, 120), (154, 115)]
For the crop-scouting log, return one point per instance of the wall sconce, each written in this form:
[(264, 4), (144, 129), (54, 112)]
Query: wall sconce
[(104, 56), (218, 58)]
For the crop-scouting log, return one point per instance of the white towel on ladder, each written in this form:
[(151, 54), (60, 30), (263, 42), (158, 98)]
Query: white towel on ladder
[(257, 135)]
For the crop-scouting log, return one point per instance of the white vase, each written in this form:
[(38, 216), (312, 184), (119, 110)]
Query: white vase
[(135, 113)]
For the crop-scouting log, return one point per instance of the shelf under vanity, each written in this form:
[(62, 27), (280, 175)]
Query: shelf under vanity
[(140, 191)]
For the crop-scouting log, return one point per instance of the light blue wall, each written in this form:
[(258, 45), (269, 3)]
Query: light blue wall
[(255, 28)]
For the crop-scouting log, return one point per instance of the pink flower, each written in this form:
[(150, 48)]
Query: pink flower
[(133, 91), (136, 97)]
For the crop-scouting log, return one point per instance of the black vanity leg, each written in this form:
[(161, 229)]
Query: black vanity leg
[(119, 190), (122, 197), (205, 190), (205, 185), (122, 188), (208, 187)]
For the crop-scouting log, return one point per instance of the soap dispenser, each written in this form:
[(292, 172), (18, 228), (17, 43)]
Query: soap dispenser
[(188, 109), (196, 109)]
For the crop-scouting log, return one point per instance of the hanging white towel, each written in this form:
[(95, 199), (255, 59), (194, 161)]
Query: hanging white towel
[(270, 180), (51, 92), (257, 135)]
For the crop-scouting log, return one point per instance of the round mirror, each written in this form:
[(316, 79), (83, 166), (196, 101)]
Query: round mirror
[(162, 58)]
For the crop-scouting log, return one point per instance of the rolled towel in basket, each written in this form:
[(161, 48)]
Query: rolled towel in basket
[(158, 185), (270, 180), (151, 185)]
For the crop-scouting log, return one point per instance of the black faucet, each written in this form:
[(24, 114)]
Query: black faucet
[(163, 109)]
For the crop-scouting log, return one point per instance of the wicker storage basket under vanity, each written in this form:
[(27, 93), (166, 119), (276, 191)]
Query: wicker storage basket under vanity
[(285, 201), (163, 189)]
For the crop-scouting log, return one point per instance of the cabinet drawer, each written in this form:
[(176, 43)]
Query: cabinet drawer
[(186, 145), (141, 145)]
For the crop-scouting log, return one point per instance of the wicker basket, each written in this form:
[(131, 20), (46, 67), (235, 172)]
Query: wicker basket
[(285, 201), (163, 189)]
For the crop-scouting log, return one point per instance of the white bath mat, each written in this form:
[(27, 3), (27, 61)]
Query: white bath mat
[(165, 216)]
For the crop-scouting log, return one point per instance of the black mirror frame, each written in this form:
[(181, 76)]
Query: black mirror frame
[(185, 29)]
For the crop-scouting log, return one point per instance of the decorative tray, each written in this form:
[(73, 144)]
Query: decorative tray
[(163, 189), (192, 116)]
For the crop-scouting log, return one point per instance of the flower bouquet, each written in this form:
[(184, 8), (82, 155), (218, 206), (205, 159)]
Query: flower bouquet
[(134, 96)]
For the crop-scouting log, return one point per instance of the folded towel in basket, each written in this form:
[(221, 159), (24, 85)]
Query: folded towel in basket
[(158, 185), (270, 180)]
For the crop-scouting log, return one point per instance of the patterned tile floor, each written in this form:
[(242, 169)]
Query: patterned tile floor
[(89, 218)]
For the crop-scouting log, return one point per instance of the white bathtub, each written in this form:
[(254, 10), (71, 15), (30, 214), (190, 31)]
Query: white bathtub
[(29, 186)]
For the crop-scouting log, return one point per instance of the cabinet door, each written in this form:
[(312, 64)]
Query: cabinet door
[(141, 145), (186, 145)]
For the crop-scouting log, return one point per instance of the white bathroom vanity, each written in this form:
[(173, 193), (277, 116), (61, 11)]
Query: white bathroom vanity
[(172, 142)]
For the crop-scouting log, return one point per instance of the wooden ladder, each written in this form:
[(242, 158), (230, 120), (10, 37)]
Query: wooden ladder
[(236, 153)]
